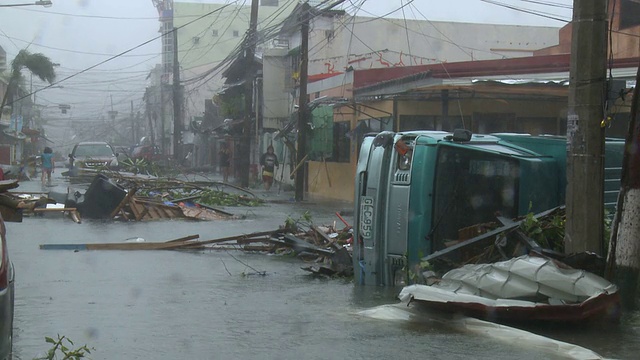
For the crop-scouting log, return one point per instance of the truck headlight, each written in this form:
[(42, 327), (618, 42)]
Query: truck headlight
[(404, 161)]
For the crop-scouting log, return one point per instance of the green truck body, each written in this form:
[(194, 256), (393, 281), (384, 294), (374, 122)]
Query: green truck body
[(415, 190)]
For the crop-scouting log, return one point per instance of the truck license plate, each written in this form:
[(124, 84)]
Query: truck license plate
[(366, 217)]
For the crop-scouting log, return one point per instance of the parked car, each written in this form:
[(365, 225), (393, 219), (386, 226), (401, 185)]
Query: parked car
[(147, 152), (93, 155), (122, 152), (6, 296)]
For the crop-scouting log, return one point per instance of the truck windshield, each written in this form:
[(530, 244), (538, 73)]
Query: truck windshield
[(471, 188)]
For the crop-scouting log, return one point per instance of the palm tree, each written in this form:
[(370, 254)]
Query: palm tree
[(39, 65)]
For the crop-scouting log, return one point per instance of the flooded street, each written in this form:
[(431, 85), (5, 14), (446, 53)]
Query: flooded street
[(212, 305)]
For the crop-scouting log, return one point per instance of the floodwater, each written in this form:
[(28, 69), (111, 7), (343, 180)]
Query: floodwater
[(213, 305)]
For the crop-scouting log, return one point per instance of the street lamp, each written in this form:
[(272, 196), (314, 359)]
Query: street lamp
[(45, 3)]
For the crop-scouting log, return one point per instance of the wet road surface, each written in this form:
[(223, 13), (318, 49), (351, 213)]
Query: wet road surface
[(211, 305)]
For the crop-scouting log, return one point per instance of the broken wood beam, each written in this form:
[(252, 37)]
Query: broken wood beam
[(258, 237), (301, 245), (43, 210), (186, 238), (167, 245), (122, 203)]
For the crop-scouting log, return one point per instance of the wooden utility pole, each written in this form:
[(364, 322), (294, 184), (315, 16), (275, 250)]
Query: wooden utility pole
[(623, 262), (162, 120), (177, 102), (302, 102), (133, 125), (585, 136), (250, 49)]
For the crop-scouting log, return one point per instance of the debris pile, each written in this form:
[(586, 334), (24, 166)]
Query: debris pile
[(326, 248), (130, 198)]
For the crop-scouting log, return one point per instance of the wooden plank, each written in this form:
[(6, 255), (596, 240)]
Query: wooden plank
[(28, 192), (134, 209), (186, 238), (214, 209), (63, 247), (167, 245), (42, 210), (154, 203), (142, 210), (124, 201), (75, 216), (124, 214), (264, 236), (153, 212)]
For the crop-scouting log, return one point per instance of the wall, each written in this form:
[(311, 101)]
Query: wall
[(277, 102), (379, 43), (332, 181), (200, 50)]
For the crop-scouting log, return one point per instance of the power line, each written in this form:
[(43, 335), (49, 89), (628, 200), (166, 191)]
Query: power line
[(527, 11), (96, 16)]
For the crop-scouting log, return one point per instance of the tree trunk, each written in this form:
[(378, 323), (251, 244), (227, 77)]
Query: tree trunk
[(624, 248)]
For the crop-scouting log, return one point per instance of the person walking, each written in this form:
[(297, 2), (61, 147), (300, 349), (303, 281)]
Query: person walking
[(47, 165), (224, 156), (269, 162)]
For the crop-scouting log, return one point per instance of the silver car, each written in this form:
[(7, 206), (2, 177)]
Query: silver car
[(6, 296), (93, 155)]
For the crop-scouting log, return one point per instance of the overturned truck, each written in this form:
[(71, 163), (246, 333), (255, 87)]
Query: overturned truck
[(420, 192)]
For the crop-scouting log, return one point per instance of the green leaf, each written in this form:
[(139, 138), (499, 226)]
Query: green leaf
[(49, 340)]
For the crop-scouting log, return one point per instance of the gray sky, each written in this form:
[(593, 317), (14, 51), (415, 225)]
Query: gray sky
[(79, 34)]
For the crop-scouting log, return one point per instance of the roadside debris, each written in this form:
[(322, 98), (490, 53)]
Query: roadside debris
[(522, 289)]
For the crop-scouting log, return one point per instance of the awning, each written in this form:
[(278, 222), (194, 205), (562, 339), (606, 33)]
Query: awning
[(15, 135)]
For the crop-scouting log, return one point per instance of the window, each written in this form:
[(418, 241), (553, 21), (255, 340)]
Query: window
[(487, 123), (341, 142), (375, 125), (538, 126), (629, 14), (470, 188), (417, 122), (214, 32), (236, 33), (329, 34)]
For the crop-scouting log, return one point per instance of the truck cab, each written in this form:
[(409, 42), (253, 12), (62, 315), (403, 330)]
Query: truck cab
[(421, 191)]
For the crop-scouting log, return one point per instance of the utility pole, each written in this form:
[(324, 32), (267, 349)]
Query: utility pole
[(177, 102), (152, 116), (250, 48), (162, 120), (302, 102), (133, 125), (585, 136)]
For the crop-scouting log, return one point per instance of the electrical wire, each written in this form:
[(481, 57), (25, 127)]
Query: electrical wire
[(527, 11)]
